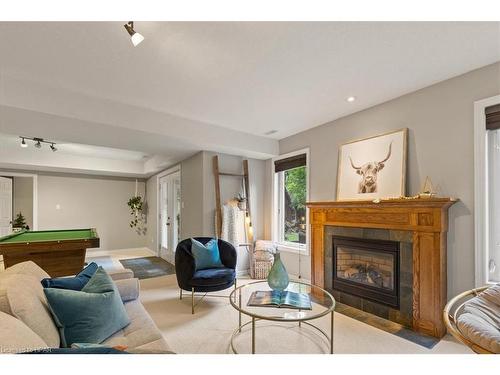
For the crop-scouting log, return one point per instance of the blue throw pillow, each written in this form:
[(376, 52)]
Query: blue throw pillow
[(73, 283), (206, 256), (90, 315)]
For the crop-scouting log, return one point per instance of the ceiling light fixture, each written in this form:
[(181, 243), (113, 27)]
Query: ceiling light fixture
[(38, 142), (135, 37), (350, 99)]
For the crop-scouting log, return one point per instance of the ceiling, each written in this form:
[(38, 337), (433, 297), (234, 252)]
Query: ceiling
[(228, 80)]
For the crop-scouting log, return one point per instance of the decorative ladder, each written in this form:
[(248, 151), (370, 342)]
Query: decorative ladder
[(218, 204)]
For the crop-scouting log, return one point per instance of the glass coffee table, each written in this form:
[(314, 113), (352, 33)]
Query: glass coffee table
[(322, 302)]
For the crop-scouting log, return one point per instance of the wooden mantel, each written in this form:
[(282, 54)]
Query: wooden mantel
[(426, 218)]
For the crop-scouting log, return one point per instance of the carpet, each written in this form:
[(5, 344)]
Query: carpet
[(148, 267), (209, 330)]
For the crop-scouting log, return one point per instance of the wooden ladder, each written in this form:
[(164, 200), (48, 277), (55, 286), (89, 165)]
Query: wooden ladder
[(218, 204)]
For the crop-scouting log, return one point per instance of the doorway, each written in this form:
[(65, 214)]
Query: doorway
[(169, 206), (18, 202), (6, 205)]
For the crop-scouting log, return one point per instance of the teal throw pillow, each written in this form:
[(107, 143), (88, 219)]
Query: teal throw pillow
[(90, 315), (206, 256)]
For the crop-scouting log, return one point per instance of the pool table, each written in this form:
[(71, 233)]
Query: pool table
[(58, 252)]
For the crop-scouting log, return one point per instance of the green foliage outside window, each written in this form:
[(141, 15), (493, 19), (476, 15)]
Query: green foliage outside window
[(295, 184)]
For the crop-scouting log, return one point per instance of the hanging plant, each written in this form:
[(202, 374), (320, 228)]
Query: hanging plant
[(138, 221)]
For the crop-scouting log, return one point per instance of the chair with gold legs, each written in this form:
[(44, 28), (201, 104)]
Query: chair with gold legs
[(207, 280)]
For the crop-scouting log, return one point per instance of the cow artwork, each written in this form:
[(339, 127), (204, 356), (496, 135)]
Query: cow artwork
[(369, 173)]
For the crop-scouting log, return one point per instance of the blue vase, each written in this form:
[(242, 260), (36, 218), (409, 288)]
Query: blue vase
[(278, 277)]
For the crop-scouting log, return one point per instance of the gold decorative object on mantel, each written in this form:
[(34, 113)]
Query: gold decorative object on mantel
[(428, 191)]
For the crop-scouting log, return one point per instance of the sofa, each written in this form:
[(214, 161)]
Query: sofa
[(26, 323)]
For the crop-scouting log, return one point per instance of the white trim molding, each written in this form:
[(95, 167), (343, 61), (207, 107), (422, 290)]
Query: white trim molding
[(35, 192), (288, 247), (481, 229), (174, 169)]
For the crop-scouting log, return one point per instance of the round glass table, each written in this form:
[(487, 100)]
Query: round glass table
[(322, 304)]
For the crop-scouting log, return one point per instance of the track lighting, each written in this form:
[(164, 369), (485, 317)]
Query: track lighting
[(38, 143), (135, 37)]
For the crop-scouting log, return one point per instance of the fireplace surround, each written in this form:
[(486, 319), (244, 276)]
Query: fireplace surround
[(424, 220)]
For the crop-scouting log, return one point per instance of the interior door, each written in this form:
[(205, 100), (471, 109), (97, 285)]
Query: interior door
[(169, 218), (5, 206)]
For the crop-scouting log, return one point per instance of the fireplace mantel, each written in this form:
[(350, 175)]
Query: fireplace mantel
[(427, 219)]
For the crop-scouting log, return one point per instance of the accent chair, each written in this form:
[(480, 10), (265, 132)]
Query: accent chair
[(205, 280)]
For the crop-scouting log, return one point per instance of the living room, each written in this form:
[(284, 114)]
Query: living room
[(260, 186)]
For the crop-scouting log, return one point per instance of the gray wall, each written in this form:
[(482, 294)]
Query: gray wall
[(192, 196), (440, 145), (231, 186), (192, 201), (198, 195), (89, 202), (23, 198)]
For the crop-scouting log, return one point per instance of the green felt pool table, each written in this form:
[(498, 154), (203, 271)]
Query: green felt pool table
[(58, 252)]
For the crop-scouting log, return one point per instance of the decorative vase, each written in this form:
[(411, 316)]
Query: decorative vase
[(278, 277)]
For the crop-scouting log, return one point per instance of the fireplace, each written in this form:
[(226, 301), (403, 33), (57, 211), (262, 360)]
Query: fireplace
[(367, 268)]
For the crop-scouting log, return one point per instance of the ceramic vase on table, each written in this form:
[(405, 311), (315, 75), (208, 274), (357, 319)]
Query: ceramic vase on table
[(278, 277)]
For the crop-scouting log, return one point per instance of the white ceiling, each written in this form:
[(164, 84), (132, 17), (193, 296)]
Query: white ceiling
[(188, 79)]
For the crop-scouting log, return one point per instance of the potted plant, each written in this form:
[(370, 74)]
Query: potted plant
[(242, 202), (20, 223)]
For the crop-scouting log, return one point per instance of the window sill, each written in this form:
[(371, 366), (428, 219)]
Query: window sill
[(291, 248)]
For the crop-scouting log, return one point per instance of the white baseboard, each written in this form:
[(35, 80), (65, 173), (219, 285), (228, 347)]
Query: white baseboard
[(243, 273)]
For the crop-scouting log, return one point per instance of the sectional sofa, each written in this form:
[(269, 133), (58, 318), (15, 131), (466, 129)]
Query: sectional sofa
[(26, 323)]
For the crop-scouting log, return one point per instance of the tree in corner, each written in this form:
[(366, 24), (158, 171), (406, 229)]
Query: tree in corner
[(20, 222)]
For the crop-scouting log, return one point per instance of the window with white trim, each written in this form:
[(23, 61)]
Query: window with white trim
[(290, 196), (493, 175)]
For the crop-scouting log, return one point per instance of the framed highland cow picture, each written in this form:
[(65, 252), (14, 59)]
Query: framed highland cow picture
[(373, 168)]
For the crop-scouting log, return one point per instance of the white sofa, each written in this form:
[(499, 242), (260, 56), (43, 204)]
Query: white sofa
[(26, 323)]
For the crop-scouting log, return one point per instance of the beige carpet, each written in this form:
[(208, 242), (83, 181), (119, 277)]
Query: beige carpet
[(210, 329)]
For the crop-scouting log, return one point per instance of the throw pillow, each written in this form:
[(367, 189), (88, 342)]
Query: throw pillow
[(206, 256), (90, 315), (73, 283)]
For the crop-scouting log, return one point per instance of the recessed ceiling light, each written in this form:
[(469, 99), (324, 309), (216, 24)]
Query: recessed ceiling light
[(135, 37), (350, 99)]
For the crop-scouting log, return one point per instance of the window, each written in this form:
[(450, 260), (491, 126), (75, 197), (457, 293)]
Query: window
[(290, 197), (492, 257)]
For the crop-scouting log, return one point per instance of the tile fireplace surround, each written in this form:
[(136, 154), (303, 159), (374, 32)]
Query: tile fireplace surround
[(419, 225)]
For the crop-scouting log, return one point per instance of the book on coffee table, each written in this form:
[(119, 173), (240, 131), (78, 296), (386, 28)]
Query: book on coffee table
[(274, 298)]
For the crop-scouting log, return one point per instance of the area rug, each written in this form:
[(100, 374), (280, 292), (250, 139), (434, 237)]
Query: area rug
[(148, 267)]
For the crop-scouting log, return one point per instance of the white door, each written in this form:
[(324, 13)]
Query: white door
[(5, 206), (169, 215)]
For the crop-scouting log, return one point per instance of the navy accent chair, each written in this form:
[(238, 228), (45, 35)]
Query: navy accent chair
[(207, 280)]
